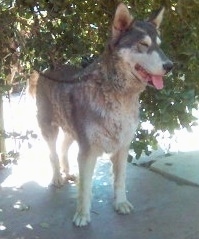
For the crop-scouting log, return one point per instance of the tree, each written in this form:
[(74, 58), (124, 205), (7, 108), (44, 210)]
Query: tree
[(2, 142), (39, 34)]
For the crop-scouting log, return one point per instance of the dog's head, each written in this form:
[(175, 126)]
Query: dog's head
[(137, 43)]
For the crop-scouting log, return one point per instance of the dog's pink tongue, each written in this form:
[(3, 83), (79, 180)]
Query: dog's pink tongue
[(157, 82)]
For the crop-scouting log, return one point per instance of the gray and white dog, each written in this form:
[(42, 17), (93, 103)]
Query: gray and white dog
[(99, 106)]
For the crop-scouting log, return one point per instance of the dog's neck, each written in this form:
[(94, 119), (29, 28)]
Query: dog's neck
[(109, 69)]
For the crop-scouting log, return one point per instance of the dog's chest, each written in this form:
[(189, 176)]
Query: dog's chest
[(115, 129)]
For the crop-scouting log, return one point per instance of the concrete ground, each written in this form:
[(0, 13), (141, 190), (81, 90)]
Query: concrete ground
[(166, 207)]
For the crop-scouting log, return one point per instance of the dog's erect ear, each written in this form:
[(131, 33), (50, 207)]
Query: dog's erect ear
[(157, 16), (121, 22)]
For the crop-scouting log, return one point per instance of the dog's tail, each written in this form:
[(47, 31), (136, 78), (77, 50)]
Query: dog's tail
[(32, 84)]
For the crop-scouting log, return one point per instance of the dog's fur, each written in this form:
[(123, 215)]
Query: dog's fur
[(99, 106)]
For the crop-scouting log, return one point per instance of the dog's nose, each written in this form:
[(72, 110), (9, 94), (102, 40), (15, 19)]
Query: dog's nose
[(168, 66)]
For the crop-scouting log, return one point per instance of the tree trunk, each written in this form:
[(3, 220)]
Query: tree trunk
[(2, 139)]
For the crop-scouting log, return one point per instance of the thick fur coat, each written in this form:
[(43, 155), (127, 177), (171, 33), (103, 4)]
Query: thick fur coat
[(99, 106)]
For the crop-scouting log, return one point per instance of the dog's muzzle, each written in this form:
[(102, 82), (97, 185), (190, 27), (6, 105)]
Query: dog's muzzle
[(168, 66)]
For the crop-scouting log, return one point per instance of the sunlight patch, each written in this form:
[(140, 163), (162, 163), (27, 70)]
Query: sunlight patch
[(34, 166), (29, 227), (2, 227)]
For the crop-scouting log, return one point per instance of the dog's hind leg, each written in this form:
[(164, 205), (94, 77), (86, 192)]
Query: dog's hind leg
[(50, 133), (119, 160), (64, 163), (86, 162)]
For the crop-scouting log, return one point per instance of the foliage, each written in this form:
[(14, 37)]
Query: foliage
[(19, 139), (38, 34)]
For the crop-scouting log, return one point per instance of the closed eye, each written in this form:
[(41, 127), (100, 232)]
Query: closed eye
[(144, 44)]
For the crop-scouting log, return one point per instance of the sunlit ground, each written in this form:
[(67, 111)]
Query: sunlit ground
[(34, 164)]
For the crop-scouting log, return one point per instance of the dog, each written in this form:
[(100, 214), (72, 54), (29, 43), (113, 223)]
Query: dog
[(99, 106)]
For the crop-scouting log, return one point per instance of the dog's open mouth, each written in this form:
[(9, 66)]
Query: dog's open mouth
[(154, 80)]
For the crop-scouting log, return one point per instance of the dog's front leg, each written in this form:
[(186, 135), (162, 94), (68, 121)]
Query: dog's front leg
[(86, 162), (119, 160)]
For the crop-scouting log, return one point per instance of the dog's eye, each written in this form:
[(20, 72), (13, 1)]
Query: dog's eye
[(145, 44), (142, 46)]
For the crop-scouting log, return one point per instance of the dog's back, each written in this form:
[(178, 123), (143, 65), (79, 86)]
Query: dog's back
[(60, 74)]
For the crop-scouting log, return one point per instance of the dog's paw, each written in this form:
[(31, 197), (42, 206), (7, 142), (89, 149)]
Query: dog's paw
[(57, 181), (71, 177), (123, 207), (81, 219)]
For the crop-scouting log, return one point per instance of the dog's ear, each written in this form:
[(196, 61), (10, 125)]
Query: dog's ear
[(122, 21), (156, 17)]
